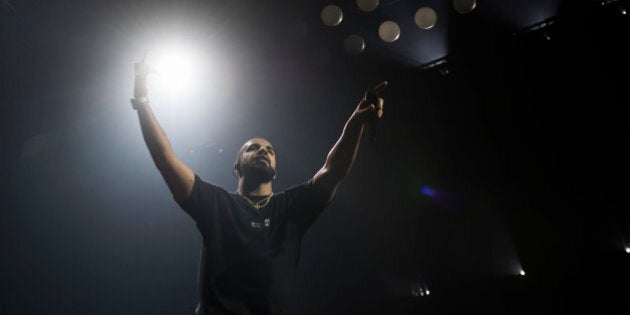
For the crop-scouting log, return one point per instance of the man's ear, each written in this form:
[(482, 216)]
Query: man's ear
[(237, 169)]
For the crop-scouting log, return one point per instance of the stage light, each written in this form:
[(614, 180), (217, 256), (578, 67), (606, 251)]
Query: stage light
[(464, 6), (615, 3), (419, 287), (389, 31), (354, 44), (417, 290), (176, 68), (542, 27), (427, 191), (425, 18), (628, 249), (441, 65), (332, 15), (522, 273), (367, 5)]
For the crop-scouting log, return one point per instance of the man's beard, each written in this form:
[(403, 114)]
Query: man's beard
[(258, 171)]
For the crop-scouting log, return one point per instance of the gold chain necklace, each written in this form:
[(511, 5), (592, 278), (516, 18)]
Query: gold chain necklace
[(260, 204)]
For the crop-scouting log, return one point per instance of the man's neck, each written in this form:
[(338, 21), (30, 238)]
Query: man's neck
[(254, 189)]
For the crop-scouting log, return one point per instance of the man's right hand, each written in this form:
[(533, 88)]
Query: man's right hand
[(142, 70), (140, 90), (179, 177)]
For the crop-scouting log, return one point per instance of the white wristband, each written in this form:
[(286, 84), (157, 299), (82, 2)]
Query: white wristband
[(138, 102)]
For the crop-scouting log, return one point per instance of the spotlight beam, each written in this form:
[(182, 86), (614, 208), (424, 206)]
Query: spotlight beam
[(177, 69)]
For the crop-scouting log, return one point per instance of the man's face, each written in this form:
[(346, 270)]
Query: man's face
[(257, 160)]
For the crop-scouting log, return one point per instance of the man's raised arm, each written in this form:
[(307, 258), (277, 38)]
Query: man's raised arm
[(179, 177), (341, 157)]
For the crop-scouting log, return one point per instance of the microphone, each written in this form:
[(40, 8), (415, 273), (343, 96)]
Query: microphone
[(371, 97)]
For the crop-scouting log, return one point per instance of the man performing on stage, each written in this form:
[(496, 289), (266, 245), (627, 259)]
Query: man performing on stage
[(251, 238)]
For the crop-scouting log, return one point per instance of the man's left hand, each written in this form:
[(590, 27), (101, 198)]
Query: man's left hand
[(371, 104)]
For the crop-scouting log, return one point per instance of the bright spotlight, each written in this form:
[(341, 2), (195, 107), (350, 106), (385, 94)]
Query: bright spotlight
[(522, 273), (419, 288), (177, 68), (628, 249)]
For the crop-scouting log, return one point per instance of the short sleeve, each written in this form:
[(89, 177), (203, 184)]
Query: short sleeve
[(307, 203), (201, 200)]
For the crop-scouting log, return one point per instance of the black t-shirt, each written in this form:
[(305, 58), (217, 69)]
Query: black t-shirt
[(249, 256)]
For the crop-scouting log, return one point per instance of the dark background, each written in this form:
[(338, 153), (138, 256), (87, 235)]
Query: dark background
[(523, 144)]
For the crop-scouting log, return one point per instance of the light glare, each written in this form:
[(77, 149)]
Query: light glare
[(177, 69)]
